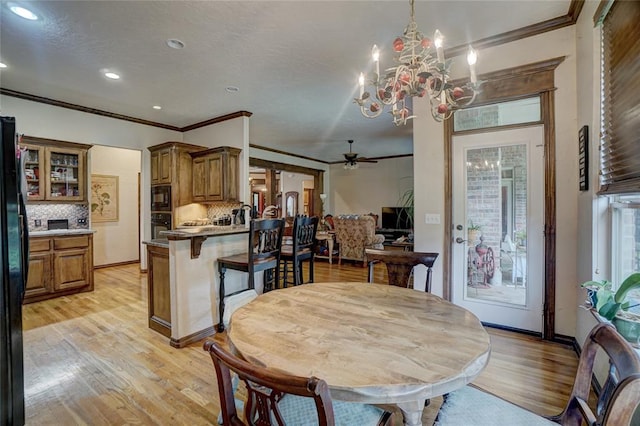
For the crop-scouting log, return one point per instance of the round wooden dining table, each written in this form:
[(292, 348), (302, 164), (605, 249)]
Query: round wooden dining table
[(372, 343)]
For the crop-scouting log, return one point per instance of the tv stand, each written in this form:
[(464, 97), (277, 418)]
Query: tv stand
[(392, 234)]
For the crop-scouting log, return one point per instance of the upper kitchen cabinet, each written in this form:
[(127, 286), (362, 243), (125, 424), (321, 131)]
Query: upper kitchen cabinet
[(55, 170), (161, 166), (171, 165), (216, 174)]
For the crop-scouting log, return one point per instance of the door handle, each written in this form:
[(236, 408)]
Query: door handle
[(459, 240)]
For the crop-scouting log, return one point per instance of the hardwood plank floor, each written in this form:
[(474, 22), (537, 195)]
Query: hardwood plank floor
[(90, 359)]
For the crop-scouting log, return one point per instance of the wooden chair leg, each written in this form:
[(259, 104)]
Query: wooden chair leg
[(311, 270), (222, 270), (297, 272)]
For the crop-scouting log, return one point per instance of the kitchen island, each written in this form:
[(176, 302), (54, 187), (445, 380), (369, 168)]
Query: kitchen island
[(183, 303)]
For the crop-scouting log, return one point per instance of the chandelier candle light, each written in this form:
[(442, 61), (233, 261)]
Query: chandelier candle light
[(417, 73)]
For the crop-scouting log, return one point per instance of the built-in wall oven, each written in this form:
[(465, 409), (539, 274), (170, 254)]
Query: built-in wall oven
[(160, 222), (161, 198)]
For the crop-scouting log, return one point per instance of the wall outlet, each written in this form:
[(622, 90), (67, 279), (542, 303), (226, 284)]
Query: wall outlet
[(432, 218), (37, 222), (82, 221)]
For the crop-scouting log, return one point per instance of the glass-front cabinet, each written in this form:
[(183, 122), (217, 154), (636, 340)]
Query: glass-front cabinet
[(65, 181), (33, 166), (55, 171)]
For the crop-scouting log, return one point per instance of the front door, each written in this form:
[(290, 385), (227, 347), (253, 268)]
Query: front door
[(498, 218)]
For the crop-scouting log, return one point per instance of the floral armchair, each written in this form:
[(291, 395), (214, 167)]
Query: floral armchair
[(355, 233)]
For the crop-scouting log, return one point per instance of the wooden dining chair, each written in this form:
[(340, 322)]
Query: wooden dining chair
[(277, 398), (618, 400), (303, 248), (400, 264), (263, 254)]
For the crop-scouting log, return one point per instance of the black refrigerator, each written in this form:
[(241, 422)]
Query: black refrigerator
[(14, 257)]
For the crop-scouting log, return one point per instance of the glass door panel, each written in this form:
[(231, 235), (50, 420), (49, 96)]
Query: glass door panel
[(64, 175), (33, 167), (496, 207)]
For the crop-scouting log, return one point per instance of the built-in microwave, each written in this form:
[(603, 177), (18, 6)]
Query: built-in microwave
[(161, 198)]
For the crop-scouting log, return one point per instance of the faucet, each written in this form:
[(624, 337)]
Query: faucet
[(269, 211)]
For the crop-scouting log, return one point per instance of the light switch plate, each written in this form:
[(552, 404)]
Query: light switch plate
[(432, 218)]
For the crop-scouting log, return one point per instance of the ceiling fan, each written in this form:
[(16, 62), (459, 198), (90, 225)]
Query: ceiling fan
[(351, 158)]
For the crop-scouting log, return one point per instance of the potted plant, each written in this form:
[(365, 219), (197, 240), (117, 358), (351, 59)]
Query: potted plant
[(473, 229), (615, 306), (406, 203)]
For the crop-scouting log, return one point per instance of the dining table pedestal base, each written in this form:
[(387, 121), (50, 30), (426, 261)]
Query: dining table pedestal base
[(412, 412)]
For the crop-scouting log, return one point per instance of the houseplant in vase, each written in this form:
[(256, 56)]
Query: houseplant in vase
[(615, 306), (473, 231)]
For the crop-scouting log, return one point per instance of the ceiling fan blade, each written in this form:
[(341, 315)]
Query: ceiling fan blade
[(365, 160)]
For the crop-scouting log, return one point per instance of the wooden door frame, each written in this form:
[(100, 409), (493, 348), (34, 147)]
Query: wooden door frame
[(536, 79), (318, 177)]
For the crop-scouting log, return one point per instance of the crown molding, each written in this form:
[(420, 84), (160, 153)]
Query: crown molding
[(530, 30), (75, 107)]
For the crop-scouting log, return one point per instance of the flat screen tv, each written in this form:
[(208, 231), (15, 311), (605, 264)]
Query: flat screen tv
[(395, 218)]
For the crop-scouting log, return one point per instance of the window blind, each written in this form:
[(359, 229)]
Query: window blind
[(620, 127)]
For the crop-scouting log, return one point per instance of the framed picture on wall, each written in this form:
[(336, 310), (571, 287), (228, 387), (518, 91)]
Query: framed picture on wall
[(104, 198), (583, 158)]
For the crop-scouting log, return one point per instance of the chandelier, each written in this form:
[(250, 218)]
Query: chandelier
[(417, 73)]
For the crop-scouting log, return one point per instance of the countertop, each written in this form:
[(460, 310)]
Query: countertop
[(204, 231), (158, 242), (60, 232)]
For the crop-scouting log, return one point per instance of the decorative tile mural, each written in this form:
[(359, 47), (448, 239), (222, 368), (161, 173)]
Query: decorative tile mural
[(44, 212)]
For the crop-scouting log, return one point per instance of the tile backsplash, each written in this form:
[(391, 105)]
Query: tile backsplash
[(221, 209), (44, 212)]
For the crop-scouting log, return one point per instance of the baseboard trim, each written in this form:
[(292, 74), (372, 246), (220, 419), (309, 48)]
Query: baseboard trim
[(515, 330), (193, 338), (567, 340), (109, 265)]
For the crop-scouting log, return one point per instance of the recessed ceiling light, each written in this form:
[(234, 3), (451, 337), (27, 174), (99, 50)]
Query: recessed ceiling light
[(112, 75), (232, 89), (22, 12), (174, 43), (157, 107), (3, 65)]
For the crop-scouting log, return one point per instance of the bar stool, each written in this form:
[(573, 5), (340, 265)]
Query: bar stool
[(303, 248), (265, 241)]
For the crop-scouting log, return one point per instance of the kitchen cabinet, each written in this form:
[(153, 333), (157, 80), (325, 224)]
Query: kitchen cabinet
[(55, 171), (216, 174), (39, 278), (159, 299), (171, 165), (161, 166), (58, 266)]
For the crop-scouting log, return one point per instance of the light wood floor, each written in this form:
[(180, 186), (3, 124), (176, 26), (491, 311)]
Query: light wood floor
[(91, 359)]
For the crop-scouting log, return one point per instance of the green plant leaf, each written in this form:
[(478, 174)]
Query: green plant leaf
[(630, 283), (603, 296), (609, 310)]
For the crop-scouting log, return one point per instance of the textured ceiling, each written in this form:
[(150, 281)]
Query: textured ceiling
[(295, 62)]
